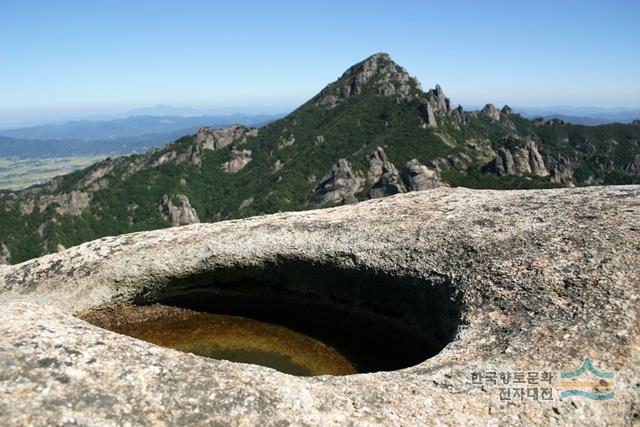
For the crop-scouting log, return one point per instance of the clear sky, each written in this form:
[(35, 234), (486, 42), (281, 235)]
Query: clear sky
[(73, 57)]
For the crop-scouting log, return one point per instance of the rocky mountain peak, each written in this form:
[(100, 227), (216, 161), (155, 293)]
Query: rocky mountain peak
[(377, 74), (506, 110), (490, 110), (436, 103)]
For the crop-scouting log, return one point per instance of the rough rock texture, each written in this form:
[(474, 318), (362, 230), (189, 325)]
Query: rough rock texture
[(560, 169), (545, 277), (177, 210), (535, 160), (72, 203), (418, 177), (387, 78), (504, 162), (277, 166), (209, 139), (339, 185), (5, 254), (502, 116), (383, 175), (633, 166), (436, 103), (237, 161), (287, 140), (215, 139), (519, 158), (490, 111)]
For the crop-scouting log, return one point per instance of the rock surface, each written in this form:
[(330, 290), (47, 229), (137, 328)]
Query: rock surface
[(546, 278), (215, 139), (5, 254), (518, 158), (238, 159), (418, 177), (178, 210), (490, 111), (379, 71), (383, 175), (339, 185)]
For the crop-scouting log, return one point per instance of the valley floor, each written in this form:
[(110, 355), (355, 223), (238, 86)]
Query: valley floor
[(21, 173)]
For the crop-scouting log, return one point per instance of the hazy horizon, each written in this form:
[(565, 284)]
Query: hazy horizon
[(73, 59)]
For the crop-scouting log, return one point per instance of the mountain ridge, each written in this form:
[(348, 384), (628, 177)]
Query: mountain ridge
[(372, 133)]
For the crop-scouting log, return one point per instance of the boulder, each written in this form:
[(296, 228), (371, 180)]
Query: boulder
[(560, 169), (238, 159), (338, 186), (504, 162), (215, 139), (383, 175), (177, 210), (418, 177), (633, 165), (543, 279), (5, 254)]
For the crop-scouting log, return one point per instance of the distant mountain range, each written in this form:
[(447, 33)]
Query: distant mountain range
[(591, 116), (144, 128), (372, 133), (120, 136)]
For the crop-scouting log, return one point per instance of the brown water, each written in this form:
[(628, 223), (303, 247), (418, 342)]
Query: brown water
[(239, 339)]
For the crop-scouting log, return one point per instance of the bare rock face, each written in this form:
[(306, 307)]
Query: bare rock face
[(237, 161), (418, 177), (97, 179), (72, 203), (633, 166), (287, 141), (5, 254), (378, 72), (338, 186), (383, 175), (560, 169), (177, 210), (438, 100), (501, 116), (458, 115), (277, 166), (209, 139), (215, 139), (528, 160), (436, 103), (379, 75), (535, 160), (504, 162), (506, 111), (490, 111), (542, 278), (520, 158)]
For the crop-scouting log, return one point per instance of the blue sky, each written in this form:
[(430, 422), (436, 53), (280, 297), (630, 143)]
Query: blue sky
[(74, 57)]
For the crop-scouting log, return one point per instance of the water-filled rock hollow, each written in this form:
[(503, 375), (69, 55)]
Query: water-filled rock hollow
[(297, 317)]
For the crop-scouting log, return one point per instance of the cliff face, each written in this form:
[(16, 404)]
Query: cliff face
[(372, 133), (540, 280)]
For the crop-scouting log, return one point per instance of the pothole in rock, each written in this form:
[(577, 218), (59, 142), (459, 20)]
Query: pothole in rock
[(296, 317)]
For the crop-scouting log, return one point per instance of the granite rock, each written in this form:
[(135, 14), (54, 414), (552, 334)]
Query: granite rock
[(545, 279)]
